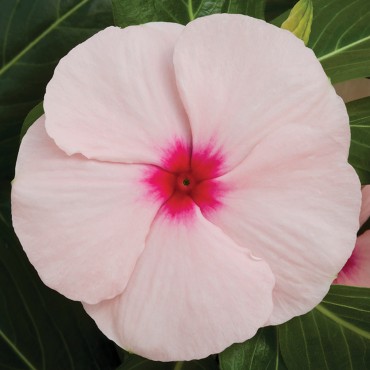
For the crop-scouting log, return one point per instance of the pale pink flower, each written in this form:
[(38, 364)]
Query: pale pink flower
[(188, 184), (356, 271)]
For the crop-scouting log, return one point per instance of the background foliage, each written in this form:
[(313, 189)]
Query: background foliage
[(39, 329)]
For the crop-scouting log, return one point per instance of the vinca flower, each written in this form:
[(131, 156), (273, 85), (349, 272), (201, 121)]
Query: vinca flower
[(356, 271), (188, 184)]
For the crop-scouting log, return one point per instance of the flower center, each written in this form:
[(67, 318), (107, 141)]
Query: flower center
[(187, 179), (185, 182)]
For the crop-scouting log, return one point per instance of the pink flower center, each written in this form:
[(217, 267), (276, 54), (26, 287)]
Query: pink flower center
[(185, 182), (187, 178)]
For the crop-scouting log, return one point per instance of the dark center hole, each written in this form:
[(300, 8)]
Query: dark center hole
[(186, 182)]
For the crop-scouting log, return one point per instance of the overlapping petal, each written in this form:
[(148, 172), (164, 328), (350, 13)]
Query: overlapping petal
[(241, 78), (82, 223), (114, 97), (294, 203), (365, 205), (192, 293), (353, 89), (356, 271)]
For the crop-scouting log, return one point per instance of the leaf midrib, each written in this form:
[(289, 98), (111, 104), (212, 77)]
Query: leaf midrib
[(332, 316), (360, 126), (16, 350), (33, 43), (342, 49)]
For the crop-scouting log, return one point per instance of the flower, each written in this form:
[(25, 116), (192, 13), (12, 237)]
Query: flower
[(188, 184), (356, 271)]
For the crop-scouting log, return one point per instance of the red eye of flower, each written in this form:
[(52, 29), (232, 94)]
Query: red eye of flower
[(185, 182), (187, 179)]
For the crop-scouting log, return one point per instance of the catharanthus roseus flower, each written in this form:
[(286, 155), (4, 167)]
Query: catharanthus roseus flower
[(356, 271), (188, 184)]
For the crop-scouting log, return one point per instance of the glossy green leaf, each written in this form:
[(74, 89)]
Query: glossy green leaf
[(275, 9), (260, 352), (134, 362), (35, 113), (253, 8), (334, 336), (34, 35), (278, 21), (129, 12), (263, 9), (359, 153), (300, 20), (340, 37)]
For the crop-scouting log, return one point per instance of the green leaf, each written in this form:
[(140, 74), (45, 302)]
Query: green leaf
[(263, 9), (129, 12), (253, 8), (34, 35), (359, 153), (340, 38), (39, 329), (276, 8), (134, 362), (335, 335), (278, 21), (300, 20), (31, 117), (260, 352)]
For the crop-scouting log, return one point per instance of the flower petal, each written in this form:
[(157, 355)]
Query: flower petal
[(295, 203), (353, 89), (81, 222), (365, 206), (241, 78), (193, 292), (356, 271), (114, 97)]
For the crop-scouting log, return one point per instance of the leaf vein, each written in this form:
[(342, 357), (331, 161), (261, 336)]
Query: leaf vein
[(329, 314), (5, 43), (17, 351), (33, 43)]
